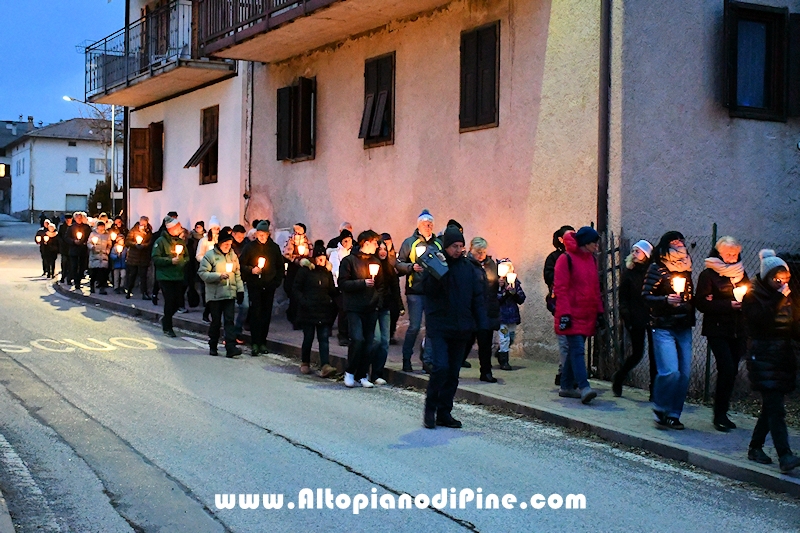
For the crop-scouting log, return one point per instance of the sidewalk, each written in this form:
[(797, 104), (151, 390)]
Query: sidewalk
[(6, 526), (529, 390)]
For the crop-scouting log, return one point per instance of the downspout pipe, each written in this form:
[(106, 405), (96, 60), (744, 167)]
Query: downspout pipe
[(604, 118)]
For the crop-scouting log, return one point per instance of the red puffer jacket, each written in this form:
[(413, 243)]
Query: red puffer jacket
[(577, 290)]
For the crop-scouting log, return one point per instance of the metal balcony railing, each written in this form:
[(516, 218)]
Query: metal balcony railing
[(162, 36)]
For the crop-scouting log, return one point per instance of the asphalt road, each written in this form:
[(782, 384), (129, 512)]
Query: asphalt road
[(107, 426)]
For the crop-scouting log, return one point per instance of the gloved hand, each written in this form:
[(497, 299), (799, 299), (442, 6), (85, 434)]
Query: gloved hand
[(565, 322), (240, 298)]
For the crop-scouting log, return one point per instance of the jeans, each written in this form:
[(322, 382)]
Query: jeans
[(563, 352), (261, 300), (380, 344), (574, 370), (137, 272), (728, 351), (771, 420), (66, 269), (415, 312), (323, 332), (173, 299), (637, 353), (673, 351), (241, 313), (361, 331), (222, 314), (484, 338), (119, 278), (447, 353)]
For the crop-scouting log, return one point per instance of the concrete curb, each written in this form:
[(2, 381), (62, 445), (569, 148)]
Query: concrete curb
[(745, 472), (6, 525)]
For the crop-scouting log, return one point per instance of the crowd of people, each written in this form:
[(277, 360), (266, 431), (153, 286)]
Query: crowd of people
[(465, 298)]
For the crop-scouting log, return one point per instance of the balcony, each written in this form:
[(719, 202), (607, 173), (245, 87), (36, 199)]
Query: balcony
[(273, 30), (153, 59)]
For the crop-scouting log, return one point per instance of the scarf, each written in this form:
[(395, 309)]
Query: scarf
[(677, 259), (735, 271)]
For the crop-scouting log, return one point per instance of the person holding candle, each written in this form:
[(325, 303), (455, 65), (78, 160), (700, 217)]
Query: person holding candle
[(407, 265), (78, 251), (772, 321), (343, 247), (99, 246), (362, 300), (138, 260), (635, 313), (170, 256), (723, 322), (478, 253), (262, 270), (297, 248), (39, 238), (549, 273), (510, 295), (64, 232), (668, 292), (117, 258), (219, 270), (396, 307), (379, 349), (579, 307), (315, 290), (50, 248), (206, 244)]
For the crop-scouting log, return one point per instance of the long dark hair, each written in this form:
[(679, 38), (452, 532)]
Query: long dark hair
[(557, 244), (662, 248)]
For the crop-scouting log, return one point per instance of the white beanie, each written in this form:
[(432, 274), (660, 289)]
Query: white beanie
[(214, 222), (425, 216), (770, 262), (644, 246)]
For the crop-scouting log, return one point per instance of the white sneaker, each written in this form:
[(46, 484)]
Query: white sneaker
[(367, 384), (379, 381), (349, 380)]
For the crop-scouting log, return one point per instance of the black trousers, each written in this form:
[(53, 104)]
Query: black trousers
[(637, 353), (173, 299), (132, 273), (50, 264), (43, 254), (728, 351), (222, 312), (66, 274), (362, 332), (98, 277), (77, 269), (394, 316), (447, 354), (772, 420), (261, 300), (484, 338), (341, 318)]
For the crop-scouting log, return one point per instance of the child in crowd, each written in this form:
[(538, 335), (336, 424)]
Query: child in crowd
[(118, 256), (511, 295), (99, 245)]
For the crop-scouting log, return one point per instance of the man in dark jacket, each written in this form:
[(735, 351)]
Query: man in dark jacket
[(78, 251), (407, 266), (362, 299), (454, 310), (138, 261), (262, 279), (64, 231), (170, 257)]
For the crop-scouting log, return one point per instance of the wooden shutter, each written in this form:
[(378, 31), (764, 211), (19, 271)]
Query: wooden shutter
[(382, 121), (139, 162), (469, 80), (284, 134), (156, 156), (304, 119), (208, 165), (487, 75), (793, 76), (370, 96)]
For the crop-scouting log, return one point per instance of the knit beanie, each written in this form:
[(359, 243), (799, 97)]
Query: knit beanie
[(770, 263), (319, 249), (224, 237), (452, 235), (644, 246), (425, 216), (345, 233), (263, 226), (238, 228), (170, 222), (586, 235), (214, 222)]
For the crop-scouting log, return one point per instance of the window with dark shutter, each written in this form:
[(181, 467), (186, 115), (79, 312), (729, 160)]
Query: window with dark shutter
[(756, 61), (156, 180), (206, 157), (296, 121), (480, 77), (139, 159), (377, 117)]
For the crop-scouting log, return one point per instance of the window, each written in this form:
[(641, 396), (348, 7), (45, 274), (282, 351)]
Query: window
[(480, 75), (207, 155), (296, 121), (146, 157), (756, 61), (72, 164), (99, 166), (377, 118), (23, 165), (72, 143), (76, 202)]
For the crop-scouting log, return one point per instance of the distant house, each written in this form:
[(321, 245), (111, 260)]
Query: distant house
[(10, 131), (55, 167)]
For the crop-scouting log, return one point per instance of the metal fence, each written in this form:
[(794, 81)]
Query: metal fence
[(612, 345)]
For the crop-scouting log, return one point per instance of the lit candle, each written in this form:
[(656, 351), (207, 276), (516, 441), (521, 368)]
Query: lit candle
[(373, 269), (229, 269), (301, 249), (511, 277), (39, 238), (46, 238), (261, 262), (286, 267), (113, 236), (119, 248), (178, 249), (79, 235), (739, 292), (679, 284), (138, 239), (94, 240), (502, 269)]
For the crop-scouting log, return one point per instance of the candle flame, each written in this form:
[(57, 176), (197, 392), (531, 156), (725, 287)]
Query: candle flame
[(261, 262), (228, 267), (679, 284), (739, 292), (374, 268), (502, 270), (178, 249), (511, 277)]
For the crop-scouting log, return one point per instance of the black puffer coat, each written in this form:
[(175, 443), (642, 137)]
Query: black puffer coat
[(315, 291), (353, 272), (632, 306), (771, 324), (491, 280), (657, 286), (455, 305), (719, 318)]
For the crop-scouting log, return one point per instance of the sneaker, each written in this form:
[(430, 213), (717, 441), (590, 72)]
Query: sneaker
[(155, 299), (326, 371), (182, 310), (305, 368), (169, 333), (379, 382), (660, 419), (212, 350), (448, 422), (367, 384), (789, 462), (349, 380), (587, 395), (569, 393), (758, 455), (488, 378), (674, 423)]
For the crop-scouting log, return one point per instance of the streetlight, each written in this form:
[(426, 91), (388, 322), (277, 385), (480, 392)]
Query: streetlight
[(113, 173)]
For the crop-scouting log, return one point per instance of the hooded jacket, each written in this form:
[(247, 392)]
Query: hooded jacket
[(576, 286), (272, 274), (212, 266), (315, 291), (117, 259)]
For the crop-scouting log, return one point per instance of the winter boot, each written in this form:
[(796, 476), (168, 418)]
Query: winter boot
[(502, 359)]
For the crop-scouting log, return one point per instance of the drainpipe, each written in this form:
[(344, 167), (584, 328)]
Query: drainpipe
[(604, 119)]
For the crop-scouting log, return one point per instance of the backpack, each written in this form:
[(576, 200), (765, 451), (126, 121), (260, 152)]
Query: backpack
[(550, 299)]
